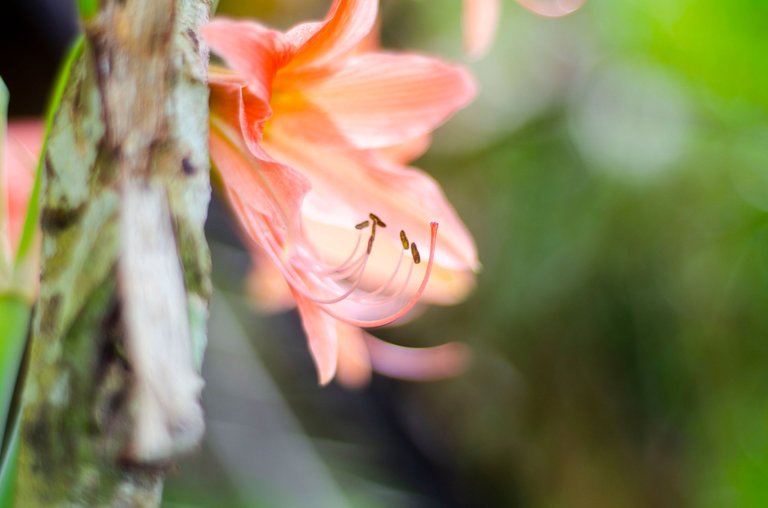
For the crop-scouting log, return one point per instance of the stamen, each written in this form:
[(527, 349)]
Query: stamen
[(385, 286), (408, 305), (404, 239), (415, 253), (273, 249), (328, 291), (346, 294), (363, 225), (295, 279), (376, 219), (322, 268)]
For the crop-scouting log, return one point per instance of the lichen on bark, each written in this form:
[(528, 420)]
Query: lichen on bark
[(133, 116)]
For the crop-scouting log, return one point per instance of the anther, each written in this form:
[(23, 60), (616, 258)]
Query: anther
[(363, 224), (370, 244), (415, 253), (404, 240), (376, 219)]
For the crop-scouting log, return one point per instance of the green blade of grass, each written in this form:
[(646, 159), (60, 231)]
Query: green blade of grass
[(5, 261), (14, 319), (8, 467)]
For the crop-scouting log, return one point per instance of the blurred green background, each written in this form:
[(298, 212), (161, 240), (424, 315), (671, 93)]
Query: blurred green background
[(614, 171)]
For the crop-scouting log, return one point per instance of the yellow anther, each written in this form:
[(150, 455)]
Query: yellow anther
[(376, 219), (415, 253), (404, 239)]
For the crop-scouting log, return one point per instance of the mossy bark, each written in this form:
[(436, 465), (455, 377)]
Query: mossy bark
[(134, 115)]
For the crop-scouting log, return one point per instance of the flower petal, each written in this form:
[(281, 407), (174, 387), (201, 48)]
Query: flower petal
[(348, 185), (231, 98), (481, 18), (381, 99), (21, 151), (417, 364), (250, 49), (346, 25), (322, 336), (354, 365), (267, 288), (256, 184), (408, 151)]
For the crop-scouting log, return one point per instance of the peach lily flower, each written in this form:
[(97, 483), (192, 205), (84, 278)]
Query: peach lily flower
[(20, 152), (310, 134), (480, 19)]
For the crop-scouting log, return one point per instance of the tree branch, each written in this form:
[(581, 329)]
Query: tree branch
[(112, 391)]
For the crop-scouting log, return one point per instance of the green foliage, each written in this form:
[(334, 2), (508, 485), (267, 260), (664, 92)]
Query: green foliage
[(8, 468), (14, 321), (4, 263), (88, 8)]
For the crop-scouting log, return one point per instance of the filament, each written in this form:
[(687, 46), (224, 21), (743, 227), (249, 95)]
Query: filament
[(308, 277), (374, 323)]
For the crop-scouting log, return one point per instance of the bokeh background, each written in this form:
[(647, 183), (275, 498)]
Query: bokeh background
[(614, 170)]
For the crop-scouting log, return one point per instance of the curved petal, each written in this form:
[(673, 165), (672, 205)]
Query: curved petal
[(256, 184), (417, 364), (354, 365), (408, 151), (481, 18), (230, 98), (250, 49), (267, 288), (381, 99), (321, 335), (319, 44), (307, 122)]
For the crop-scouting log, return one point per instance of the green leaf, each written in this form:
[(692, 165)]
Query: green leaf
[(8, 466), (88, 8), (4, 246), (14, 320)]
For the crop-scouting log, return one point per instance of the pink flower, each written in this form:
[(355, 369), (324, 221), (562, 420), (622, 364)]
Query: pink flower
[(481, 19), (20, 153), (310, 131)]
